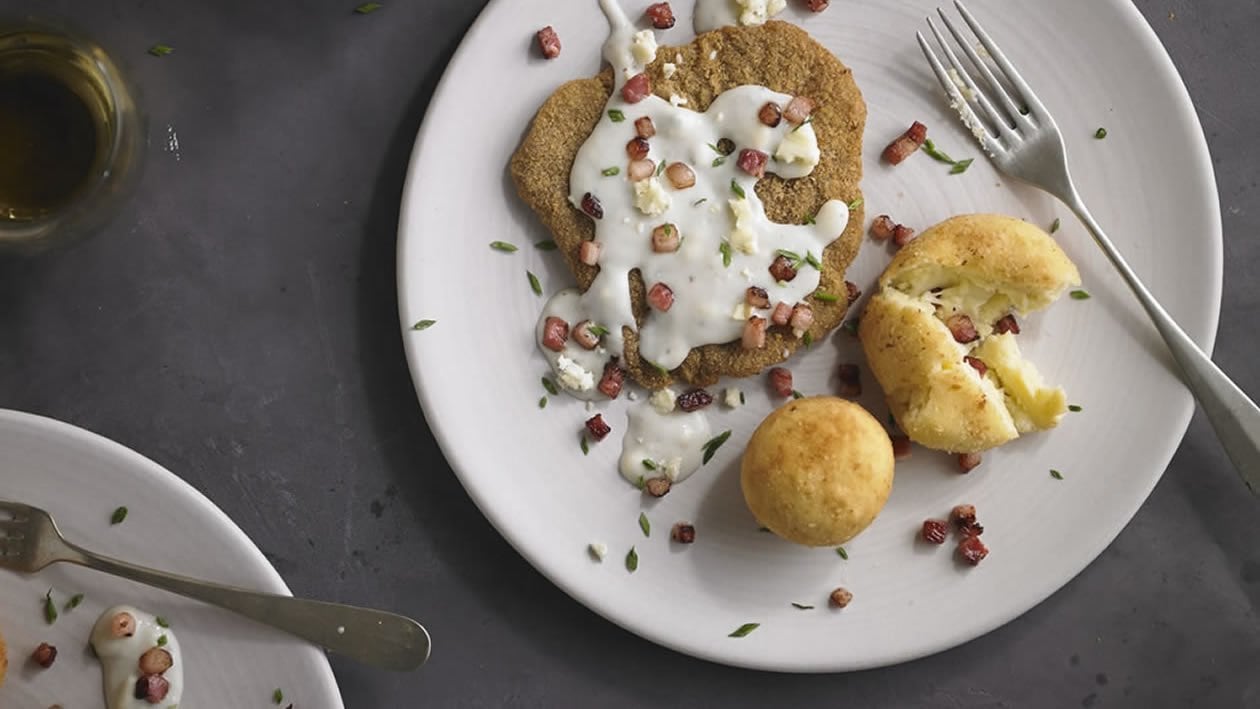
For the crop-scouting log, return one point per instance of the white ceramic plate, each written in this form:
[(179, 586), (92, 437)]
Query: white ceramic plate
[(81, 478), (1095, 63)]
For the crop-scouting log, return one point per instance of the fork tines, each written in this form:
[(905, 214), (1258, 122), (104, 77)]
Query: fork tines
[(1005, 101)]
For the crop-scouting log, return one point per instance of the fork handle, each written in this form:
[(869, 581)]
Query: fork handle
[(373, 637), (1234, 416)]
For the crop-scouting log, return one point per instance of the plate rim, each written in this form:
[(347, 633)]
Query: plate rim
[(145, 466), (1181, 100)]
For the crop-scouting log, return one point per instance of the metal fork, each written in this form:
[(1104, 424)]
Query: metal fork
[(1021, 138), (30, 541)]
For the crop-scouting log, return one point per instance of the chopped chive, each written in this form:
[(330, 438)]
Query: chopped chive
[(700, 201), (424, 324), (534, 285), (856, 203), (719, 162), (649, 464), (826, 297), (542, 403), (808, 339), (586, 447), (632, 560), (598, 330), (1079, 295), (162, 622), (503, 246), (812, 260), (545, 245), (119, 515), (50, 608), (739, 191), (961, 166), (802, 607), (744, 630), (791, 256), (843, 554), (660, 168), (616, 115), (1100, 133), (277, 696), (1074, 408), (715, 149), (936, 153), (797, 395), (161, 640), (161, 50), (1056, 474), (74, 601), (804, 123), (811, 220), (725, 250), (713, 445), (550, 386), (645, 525), (610, 171), (641, 482), (1054, 225), (365, 9)]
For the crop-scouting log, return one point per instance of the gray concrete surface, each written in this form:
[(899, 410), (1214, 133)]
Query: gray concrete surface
[(237, 322)]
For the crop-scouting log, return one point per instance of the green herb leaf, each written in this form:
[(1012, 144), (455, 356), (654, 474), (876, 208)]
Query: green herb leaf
[(616, 115), (744, 630), (961, 166), (161, 50), (1100, 133), (802, 607), (715, 149), (700, 201), (632, 560), (161, 640), (1079, 295), (804, 123), (503, 246), (719, 162), (856, 203), (843, 554), (366, 8), (660, 168), (586, 447), (277, 696), (812, 260), (797, 395), (545, 245), (935, 153), (1054, 226), (598, 330), (649, 464), (534, 285), (1074, 408), (50, 608), (74, 601), (610, 171), (424, 324), (641, 482), (1056, 475), (826, 297), (645, 525), (162, 622), (542, 403), (739, 191), (725, 250), (119, 515), (713, 445), (811, 220), (807, 339), (550, 386)]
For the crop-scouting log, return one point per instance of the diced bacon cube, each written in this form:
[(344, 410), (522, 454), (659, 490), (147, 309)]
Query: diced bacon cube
[(902, 235), (770, 114), (802, 318), (817, 5), (549, 42), (588, 253), (781, 381), (753, 162), (906, 144), (555, 334), (610, 383), (638, 148), (680, 175), (597, 427), (661, 297), (665, 239), (584, 334), (882, 228), (799, 109), (901, 446), (781, 269), (977, 364), (962, 328), (754, 333), (972, 550), (757, 297), (644, 127), (592, 207), (968, 461), (636, 88), (661, 15), (852, 292), (782, 314), (641, 170), (1006, 324)]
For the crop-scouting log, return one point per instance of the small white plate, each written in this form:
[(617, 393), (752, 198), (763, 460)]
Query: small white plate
[(1095, 63), (81, 478)]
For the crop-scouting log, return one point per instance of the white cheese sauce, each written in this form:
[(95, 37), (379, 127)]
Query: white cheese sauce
[(673, 442), (120, 659), (712, 14), (727, 241)]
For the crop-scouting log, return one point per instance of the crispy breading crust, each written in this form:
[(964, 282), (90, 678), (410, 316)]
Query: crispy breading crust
[(778, 55)]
